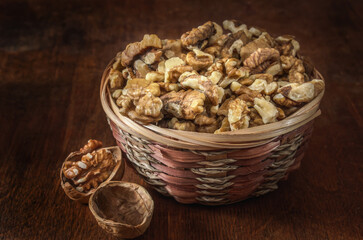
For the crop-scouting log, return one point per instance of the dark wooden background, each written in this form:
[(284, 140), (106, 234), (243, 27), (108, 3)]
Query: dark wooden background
[(52, 54)]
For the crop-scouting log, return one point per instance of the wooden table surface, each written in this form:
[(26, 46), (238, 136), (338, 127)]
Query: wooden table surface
[(52, 54)]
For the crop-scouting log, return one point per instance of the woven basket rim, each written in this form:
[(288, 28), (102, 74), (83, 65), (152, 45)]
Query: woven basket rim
[(244, 138)]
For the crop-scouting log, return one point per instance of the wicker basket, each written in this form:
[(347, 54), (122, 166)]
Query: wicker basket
[(213, 169)]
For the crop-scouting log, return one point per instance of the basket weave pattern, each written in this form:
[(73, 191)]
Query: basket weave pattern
[(213, 169), (219, 177)]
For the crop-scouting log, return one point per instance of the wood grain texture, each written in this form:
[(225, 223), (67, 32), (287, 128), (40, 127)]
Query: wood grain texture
[(52, 54)]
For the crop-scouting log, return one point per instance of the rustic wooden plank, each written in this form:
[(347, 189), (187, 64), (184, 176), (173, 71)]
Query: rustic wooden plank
[(52, 54)]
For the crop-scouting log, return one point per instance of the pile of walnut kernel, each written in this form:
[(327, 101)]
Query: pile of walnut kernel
[(211, 81)]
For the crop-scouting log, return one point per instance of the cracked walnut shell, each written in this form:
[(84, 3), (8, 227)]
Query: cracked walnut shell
[(82, 172), (122, 209)]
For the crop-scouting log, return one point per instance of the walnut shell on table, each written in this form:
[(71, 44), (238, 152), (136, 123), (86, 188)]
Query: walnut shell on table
[(123, 209), (71, 190)]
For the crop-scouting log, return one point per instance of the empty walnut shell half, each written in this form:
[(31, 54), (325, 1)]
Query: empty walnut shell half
[(115, 173), (121, 208)]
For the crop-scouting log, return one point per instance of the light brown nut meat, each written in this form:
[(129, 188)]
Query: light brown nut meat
[(304, 92), (233, 72), (223, 109), (168, 87), (134, 49), (218, 66), (208, 128), (204, 119), (287, 62), (238, 114), (224, 126), (233, 44), (265, 76), (282, 114), (256, 119), (172, 48), (284, 101), (141, 68), (175, 73), (215, 76), (248, 91), (240, 73), (91, 145), (225, 82), (218, 33), (128, 74), (149, 105), (255, 31), (298, 92), (257, 60), (154, 89), (214, 50), (137, 83), (174, 123), (117, 64), (116, 79), (199, 59), (235, 26), (184, 104), (246, 81), (117, 93), (282, 83), (263, 41), (235, 86), (212, 109), (161, 67), (143, 119), (154, 76), (261, 85), (152, 56), (287, 45), (296, 73), (266, 109), (124, 103), (172, 67), (213, 92), (197, 35), (275, 68), (91, 170), (231, 64)]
